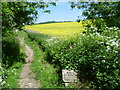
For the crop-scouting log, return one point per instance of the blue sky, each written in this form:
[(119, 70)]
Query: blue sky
[(61, 12)]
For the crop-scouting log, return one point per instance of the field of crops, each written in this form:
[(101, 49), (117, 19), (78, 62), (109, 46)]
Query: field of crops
[(64, 30)]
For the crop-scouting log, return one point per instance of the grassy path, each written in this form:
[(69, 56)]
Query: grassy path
[(27, 76)]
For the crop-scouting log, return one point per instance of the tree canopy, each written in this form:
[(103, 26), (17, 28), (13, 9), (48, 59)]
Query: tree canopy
[(17, 14), (109, 12)]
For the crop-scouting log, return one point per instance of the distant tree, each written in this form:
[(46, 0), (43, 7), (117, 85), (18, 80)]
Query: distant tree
[(78, 20), (17, 14), (107, 12)]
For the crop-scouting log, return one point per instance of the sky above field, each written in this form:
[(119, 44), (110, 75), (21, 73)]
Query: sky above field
[(61, 12)]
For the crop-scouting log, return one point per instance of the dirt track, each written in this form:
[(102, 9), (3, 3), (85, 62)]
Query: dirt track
[(27, 76)]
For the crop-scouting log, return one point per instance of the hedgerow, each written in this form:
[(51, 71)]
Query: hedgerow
[(94, 56)]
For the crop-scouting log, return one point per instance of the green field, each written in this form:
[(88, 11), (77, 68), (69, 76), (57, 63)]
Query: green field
[(64, 30)]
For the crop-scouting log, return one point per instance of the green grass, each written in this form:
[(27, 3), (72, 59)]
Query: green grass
[(46, 74)]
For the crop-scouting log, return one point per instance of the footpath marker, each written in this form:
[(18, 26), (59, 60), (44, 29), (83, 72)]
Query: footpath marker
[(69, 76)]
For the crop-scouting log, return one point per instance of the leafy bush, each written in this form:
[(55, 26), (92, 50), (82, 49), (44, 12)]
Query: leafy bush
[(10, 51), (99, 62)]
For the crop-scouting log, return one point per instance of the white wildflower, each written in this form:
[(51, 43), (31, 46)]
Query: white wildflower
[(3, 83), (107, 27), (0, 79), (108, 37), (108, 48), (103, 61)]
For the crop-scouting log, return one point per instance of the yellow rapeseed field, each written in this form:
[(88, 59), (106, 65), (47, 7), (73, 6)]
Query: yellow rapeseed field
[(64, 30)]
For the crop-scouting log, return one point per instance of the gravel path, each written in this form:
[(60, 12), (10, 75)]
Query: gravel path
[(27, 76)]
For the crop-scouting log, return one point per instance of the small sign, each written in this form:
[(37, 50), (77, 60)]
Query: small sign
[(69, 75)]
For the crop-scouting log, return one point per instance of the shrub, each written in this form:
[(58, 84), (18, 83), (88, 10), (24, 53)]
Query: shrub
[(10, 51), (99, 63)]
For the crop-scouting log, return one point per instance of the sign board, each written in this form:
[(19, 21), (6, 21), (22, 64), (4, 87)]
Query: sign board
[(69, 75)]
